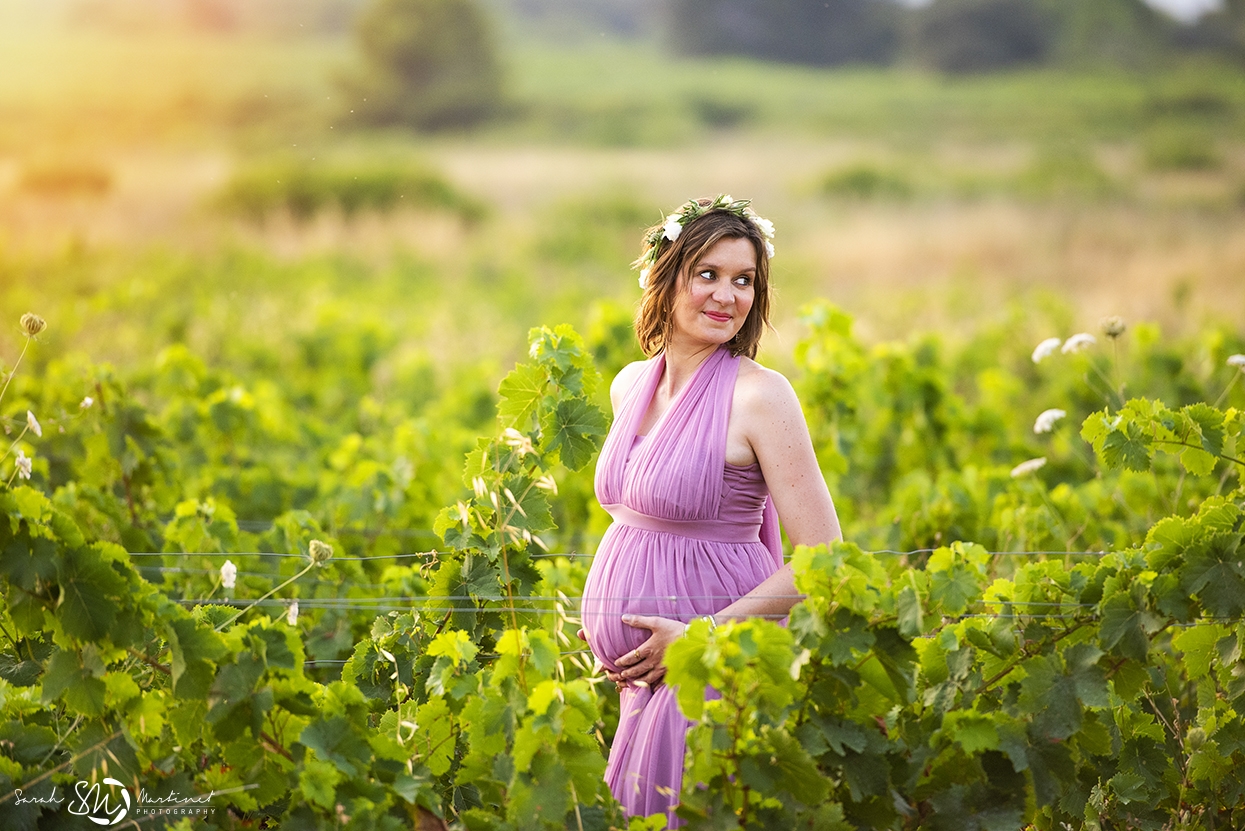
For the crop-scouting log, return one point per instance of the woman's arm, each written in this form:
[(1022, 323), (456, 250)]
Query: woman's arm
[(773, 424)]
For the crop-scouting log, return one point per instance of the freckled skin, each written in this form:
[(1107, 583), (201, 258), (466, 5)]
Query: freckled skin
[(766, 427)]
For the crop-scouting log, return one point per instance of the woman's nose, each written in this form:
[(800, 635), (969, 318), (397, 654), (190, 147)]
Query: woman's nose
[(724, 293)]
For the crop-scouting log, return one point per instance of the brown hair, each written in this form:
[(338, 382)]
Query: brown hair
[(669, 275)]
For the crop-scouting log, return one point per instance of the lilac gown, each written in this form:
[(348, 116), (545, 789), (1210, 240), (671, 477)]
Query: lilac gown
[(691, 534)]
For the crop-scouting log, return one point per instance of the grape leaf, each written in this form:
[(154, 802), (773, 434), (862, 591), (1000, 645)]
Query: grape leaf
[(521, 393), (571, 429)]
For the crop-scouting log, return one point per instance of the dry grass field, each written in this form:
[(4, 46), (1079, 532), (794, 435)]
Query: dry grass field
[(997, 195)]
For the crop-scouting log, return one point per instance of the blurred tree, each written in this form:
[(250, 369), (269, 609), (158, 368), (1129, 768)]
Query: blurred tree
[(1114, 32), (819, 32), (1222, 30), (429, 64), (981, 35)]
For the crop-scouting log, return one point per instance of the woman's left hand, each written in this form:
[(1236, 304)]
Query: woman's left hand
[(643, 665)]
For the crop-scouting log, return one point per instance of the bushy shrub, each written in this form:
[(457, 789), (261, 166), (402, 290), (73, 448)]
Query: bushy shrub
[(1180, 149), (981, 35), (304, 189), (429, 64), (866, 181), (66, 178), (818, 32)]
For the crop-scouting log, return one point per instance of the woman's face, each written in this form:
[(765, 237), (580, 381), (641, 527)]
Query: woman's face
[(717, 296)]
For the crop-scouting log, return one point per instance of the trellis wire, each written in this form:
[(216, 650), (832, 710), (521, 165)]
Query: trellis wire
[(575, 555)]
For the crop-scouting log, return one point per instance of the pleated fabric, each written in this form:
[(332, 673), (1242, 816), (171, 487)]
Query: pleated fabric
[(691, 534)]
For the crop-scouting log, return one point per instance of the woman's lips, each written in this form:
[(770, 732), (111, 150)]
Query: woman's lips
[(720, 317)]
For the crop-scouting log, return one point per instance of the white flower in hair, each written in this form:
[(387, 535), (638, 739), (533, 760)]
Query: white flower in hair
[(644, 278), (767, 227), (1078, 342), (1046, 420), (673, 227), (228, 574), (1031, 466), (1045, 349), (769, 249)]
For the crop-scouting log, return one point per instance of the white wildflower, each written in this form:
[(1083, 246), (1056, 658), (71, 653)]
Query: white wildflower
[(229, 574), (1046, 420), (1025, 468), (32, 424), (1113, 326), (320, 552), (521, 442), (291, 614), (1045, 349), (1078, 342), (1237, 361), (673, 227), (87, 402), (644, 277), (23, 465)]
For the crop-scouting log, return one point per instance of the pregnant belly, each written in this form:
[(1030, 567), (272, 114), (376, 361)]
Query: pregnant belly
[(642, 572)]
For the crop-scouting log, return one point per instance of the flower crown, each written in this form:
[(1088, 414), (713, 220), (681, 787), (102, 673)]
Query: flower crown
[(689, 212)]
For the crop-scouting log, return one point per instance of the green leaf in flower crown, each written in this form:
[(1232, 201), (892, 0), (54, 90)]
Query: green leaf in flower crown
[(572, 430), (521, 393)]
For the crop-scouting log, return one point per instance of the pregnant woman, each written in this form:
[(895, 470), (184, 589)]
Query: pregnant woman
[(707, 452)]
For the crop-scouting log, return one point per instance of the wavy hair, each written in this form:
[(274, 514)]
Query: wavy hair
[(671, 274)]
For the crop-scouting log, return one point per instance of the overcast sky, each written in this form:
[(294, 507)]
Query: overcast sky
[(1188, 10), (1185, 9)]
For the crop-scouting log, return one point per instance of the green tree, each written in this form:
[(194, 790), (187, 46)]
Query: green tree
[(429, 64), (818, 32), (980, 35)]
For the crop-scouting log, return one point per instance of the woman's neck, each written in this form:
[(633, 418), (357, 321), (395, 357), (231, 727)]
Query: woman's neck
[(682, 361)]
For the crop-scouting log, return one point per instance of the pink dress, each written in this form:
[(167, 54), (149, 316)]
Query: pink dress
[(691, 534)]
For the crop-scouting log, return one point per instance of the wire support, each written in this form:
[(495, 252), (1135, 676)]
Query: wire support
[(576, 555)]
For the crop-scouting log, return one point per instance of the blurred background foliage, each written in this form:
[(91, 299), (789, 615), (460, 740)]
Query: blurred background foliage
[(224, 175)]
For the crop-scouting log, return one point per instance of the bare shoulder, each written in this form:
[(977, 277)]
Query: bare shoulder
[(624, 381), (764, 394)]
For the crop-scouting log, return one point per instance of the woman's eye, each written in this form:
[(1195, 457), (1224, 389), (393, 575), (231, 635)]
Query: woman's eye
[(706, 275), (743, 281)]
